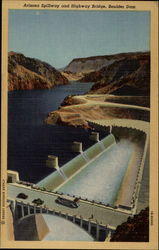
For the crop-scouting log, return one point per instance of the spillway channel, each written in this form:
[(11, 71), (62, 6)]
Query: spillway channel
[(101, 179)]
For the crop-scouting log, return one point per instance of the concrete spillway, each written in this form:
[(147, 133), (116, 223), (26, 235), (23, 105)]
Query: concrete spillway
[(55, 179), (106, 172), (100, 180)]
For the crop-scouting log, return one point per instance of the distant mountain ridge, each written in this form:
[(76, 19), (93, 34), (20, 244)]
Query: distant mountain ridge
[(126, 80), (121, 74), (30, 73), (94, 63)]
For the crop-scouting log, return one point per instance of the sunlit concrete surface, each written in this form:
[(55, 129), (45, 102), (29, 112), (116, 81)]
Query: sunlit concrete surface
[(143, 200), (46, 227), (101, 179), (129, 181), (9, 223)]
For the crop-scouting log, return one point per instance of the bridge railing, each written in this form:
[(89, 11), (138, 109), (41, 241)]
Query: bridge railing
[(56, 193), (26, 183), (96, 228)]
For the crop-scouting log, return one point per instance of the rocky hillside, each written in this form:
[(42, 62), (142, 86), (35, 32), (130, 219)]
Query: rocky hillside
[(128, 75), (77, 110), (30, 73), (93, 63), (121, 85), (136, 229)]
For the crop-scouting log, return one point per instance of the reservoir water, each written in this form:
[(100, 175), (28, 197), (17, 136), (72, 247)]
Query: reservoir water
[(30, 140)]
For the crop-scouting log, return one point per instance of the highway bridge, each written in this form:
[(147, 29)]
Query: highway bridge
[(88, 214)]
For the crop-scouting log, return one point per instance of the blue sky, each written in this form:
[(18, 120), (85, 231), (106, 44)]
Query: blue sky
[(57, 37)]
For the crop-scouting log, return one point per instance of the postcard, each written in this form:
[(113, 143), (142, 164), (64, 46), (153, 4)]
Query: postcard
[(79, 148)]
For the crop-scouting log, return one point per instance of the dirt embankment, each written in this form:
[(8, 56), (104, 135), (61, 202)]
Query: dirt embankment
[(76, 110)]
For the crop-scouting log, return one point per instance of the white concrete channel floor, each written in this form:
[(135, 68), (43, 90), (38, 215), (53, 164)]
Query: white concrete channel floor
[(101, 179)]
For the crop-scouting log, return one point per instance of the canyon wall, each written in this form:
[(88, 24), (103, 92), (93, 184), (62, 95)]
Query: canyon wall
[(30, 73)]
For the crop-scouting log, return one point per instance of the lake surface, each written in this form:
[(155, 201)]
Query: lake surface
[(30, 140)]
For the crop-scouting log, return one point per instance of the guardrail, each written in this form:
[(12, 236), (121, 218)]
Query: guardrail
[(26, 209), (93, 202)]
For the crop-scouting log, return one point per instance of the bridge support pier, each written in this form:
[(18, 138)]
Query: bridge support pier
[(13, 207), (22, 210), (74, 219), (81, 222), (34, 210), (97, 231), (28, 209), (110, 129), (66, 216), (89, 226)]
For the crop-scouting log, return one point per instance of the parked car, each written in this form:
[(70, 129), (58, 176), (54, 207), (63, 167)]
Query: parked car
[(22, 196), (38, 201)]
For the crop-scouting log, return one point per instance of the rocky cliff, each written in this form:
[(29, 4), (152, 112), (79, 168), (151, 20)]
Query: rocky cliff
[(136, 229), (122, 82), (129, 75), (93, 63), (30, 73)]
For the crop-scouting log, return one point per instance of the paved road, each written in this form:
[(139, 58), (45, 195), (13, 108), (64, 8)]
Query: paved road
[(103, 215), (103, 103)]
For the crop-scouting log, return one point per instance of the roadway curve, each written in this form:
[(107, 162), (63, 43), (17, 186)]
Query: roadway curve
[(77, 110), (88, 100)]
